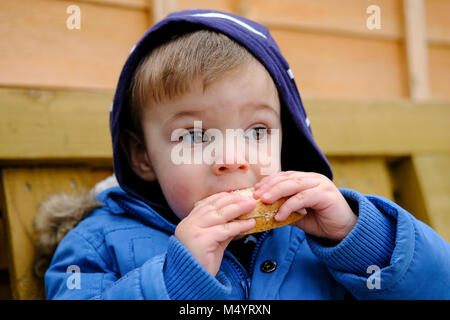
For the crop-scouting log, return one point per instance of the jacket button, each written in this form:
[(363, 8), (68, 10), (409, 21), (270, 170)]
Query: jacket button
[(268, 266)]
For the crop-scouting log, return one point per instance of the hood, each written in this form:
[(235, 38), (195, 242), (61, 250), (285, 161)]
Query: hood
[(299, 150)]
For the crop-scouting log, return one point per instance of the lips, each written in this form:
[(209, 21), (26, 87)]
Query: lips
[(227, 189)]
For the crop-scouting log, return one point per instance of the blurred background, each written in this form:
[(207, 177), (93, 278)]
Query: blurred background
[(374, 77)]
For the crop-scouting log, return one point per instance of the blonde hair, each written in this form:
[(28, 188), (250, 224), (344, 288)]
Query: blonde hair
[(170, 69)]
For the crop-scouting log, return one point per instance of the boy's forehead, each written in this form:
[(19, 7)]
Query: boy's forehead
[(216, 112), (210, 112), (250, 88)]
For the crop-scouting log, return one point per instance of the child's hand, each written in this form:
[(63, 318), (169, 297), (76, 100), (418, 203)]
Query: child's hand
[(329, 215), (208, 229)]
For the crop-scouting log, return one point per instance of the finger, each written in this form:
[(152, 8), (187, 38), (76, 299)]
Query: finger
[(228, 212), (268, 185), (288, 187), (261, 189), (231, 229), (266, 179), (230, 198), (216, 201), (308, 198)]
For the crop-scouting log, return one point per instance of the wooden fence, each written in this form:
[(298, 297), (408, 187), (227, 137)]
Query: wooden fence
[(378, 99)]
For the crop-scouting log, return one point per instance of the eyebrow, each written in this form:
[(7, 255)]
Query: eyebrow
[(266, 107), (193, 114), (183, 114)]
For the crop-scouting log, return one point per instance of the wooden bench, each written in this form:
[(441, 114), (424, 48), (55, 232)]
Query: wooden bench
[(58, 141)]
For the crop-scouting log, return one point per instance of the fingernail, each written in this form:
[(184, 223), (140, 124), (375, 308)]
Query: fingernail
[(303, 211)]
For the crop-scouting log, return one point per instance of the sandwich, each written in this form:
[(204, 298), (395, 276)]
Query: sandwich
[(264, 214)]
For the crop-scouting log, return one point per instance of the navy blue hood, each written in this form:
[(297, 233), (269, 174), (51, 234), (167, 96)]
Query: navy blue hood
[(299, 150)]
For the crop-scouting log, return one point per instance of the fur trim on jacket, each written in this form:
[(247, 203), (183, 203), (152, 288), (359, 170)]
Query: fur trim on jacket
[(57, 215)]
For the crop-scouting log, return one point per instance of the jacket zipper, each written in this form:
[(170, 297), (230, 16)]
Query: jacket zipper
[(242, 275), (256, 250), (246, 278)]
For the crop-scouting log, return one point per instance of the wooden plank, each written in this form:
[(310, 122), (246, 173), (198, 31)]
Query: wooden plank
[(407, 190), (439, 67), (42, 52), (23, 190), (5, 288), (433, 173), (327, 16), (221, 5), (54, 125), (366, 175), (99, 174), (422, 186), (129, 4), (331, 17), (48, 126), (3, 256), (159, 9), (330, 67), (438, 23), (416, 49), (379, 128)]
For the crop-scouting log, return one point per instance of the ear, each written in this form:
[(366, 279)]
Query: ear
[(136, 152)]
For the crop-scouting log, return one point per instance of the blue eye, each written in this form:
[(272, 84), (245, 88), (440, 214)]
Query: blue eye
[(257, 133), (195, 137)]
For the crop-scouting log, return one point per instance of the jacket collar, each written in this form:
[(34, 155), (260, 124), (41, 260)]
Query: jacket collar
[(121, 202)]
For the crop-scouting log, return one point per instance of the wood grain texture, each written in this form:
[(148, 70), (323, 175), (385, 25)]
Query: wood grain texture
[(23, 190), (54, 124), (38, 50), (331, 67), (368, 175), (433, 173), (48, 126)]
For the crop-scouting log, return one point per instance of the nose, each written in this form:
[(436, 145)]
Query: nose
[(232, 158), (220, 169)]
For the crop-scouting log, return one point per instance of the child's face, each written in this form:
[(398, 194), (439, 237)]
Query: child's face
[(246, 99)]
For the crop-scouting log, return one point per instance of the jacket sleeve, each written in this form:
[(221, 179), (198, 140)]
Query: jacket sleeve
[(388, 255), (79, 271)]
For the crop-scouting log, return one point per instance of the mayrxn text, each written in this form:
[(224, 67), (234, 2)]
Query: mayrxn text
[(246, 309)]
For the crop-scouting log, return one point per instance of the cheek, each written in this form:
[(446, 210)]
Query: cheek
[(268, 156), (178, 182), (180, 189)]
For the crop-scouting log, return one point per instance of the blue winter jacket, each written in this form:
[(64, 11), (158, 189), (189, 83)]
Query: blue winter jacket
[(126, 250)]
